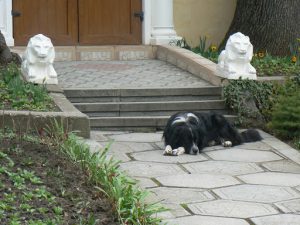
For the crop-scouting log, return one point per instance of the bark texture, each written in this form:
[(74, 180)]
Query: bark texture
[(5, 55), (271, 24)]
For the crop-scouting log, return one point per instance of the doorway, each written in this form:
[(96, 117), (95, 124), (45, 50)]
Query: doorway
[(79, 22)]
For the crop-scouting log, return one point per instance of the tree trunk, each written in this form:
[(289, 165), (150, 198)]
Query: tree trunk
[(271, 24), (5, 55)]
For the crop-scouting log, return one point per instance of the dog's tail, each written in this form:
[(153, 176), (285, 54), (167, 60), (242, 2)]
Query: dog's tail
[(250, 135)]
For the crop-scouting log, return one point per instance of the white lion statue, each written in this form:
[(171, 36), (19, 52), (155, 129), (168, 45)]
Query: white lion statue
[(234, 61), (37, 65)]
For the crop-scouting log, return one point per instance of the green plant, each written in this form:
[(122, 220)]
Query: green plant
[(17, 94), (209, 52), (238, 93), (268, 65), (128, 200), (286, 114)]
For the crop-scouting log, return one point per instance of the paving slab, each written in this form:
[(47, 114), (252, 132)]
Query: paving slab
[(157, 156), (257, 193), (146, 182), (98, 136), (137, 137), (197, 180), (291, 206), (206, 220), (242, 155), (223, 167), (228, 208), (286, 166), (127, 147), (175, 210), (272, 178), (283, 219), (146, 169), (182, 195), (255, 146)]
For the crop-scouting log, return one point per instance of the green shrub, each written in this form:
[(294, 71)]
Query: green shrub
[(238, 92), (286, 112), (20, 95)]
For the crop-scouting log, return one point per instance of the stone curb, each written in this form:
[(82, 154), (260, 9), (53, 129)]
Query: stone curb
[(69, 117), (191, 62)]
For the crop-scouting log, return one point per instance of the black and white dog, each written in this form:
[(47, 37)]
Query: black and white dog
[(188, 132)]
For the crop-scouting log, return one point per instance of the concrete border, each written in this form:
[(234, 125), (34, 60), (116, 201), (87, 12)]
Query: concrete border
[(69, 117), (191, 62)]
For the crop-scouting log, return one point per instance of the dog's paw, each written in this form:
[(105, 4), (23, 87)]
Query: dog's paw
[(227, 144), (180, 151), (168, 150)]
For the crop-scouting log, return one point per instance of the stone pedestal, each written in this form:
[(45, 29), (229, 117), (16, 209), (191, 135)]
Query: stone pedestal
[(162, 23)]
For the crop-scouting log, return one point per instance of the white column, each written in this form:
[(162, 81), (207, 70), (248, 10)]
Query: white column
[(6, 21), (162, 22)]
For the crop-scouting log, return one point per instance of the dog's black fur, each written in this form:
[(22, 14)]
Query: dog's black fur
[(194, 131)]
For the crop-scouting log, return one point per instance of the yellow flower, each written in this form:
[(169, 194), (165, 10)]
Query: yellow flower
[(261, 54), (294, 59), (213, 48)]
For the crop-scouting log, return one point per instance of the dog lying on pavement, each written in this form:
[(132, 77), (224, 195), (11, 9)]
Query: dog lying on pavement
[(188, 132)]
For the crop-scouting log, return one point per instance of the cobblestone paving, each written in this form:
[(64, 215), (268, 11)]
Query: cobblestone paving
[(251, 184), (124, 74)]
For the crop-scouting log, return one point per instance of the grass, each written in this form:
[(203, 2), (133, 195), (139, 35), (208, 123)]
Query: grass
[(127, 198), (19, 95)]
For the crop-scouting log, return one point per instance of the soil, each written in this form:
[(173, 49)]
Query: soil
[(63, 179)]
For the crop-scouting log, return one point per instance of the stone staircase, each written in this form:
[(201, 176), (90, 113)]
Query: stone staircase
[(143, 109)]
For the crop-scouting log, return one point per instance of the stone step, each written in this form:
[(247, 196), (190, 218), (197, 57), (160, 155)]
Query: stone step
[(151, 106), (142, 95), (134, 123)]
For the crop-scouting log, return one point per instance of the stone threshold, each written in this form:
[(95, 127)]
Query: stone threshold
[(100, 53), (69, 117)]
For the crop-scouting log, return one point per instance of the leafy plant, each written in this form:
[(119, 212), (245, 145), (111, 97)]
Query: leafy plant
[(209, 52), (268, 65), (128, 200), (238, 92), (18, 94)]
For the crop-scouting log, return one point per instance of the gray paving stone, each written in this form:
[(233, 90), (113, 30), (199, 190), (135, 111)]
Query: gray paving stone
[(223, 167), (255, 146), (146, 169), (98, 136), (175, 210), (228, 208), (119, 156), (282, 219), (182, 195), (257, 193), (241, 155), (197, 180), (157, 156), (286, 166), (137, 137), (206, 220), (127, 147), (291, 206), (298, 188), (124, 74), (284, 149), (272, 178), (146, 182)]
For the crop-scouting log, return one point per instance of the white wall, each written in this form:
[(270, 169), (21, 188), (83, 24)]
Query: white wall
[(6, 21)]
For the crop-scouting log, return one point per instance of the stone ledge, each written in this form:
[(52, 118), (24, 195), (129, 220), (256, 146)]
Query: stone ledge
[(99, 53), (191, 62), (69, 117)]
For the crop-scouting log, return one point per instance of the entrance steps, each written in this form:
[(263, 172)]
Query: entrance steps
[(143, 109)]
